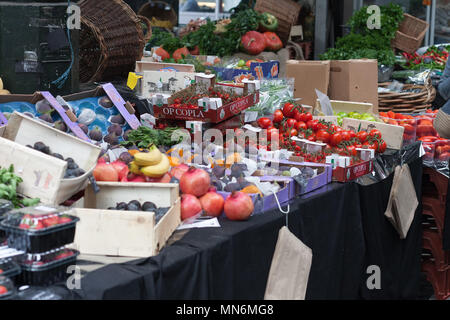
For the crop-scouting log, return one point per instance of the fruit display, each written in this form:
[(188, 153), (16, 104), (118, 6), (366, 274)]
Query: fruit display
[(7, 289), (294, 121), (72, 171), (47, 267), (147, 206), (100, 119), (8, 190), (39, 229), (354, 115), (408, 122)]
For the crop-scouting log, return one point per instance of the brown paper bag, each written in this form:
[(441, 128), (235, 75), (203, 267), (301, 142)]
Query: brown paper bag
[(388, 213), (289, 272), (404, 201)]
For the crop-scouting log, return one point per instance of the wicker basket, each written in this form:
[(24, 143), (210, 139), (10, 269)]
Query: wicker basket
[(286, 11), (410, 34), (159, 11), (147, 29), (111, 40), (406, 102)]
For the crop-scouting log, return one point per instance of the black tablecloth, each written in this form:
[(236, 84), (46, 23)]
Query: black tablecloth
[(343, 224)]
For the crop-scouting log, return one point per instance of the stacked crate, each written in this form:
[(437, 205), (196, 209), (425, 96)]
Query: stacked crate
[(435, 261)]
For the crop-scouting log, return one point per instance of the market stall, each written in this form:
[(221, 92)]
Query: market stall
[(172, 176)]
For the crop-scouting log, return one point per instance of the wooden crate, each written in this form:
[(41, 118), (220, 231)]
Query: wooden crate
[(43, 174), (126, 233), (393, 135), (345, 106)]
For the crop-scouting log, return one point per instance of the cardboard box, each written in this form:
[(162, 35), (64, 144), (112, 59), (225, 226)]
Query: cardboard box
[(158, 77), (393, 135), (126, 233), (43, 174), (352, 172), (308, 75), (248, 91), (354, 80)]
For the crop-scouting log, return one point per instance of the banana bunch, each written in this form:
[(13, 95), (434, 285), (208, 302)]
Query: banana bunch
[(153, 163)]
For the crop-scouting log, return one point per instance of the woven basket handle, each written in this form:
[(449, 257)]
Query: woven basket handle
[(147, 22)]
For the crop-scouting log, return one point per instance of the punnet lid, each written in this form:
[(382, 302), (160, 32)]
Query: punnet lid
[(38, 218), (49, 259)]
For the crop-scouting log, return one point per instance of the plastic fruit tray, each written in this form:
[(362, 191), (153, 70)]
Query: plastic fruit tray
[(8, 268), (39, 229), (410, 125), (46, 268), (100, 113), (7, 289)]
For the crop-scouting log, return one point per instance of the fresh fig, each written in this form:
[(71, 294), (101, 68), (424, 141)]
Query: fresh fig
[(105, 102), (234, 186), (118, 119), (218, 171), (42, 147), (121, 206), (112, 139), (134, 205), (126, 157), (60, 125), (148, 206), (84, 128), (43, 107), (96, 134), (116, 129)]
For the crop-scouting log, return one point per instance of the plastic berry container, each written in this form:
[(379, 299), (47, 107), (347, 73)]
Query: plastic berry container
[(429, 147), (442, 151), (39, 229), (7, 289), (409, 124), (9, 268), (46, 268)]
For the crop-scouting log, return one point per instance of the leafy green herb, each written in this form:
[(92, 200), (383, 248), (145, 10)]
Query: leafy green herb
[(144, 136), (8, 188), (363, 42)]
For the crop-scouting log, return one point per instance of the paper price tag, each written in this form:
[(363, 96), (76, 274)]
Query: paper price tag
[(252, 128)]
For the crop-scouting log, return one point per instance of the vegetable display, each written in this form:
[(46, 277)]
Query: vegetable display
[(434, 58), (8, 188), (363, 42)]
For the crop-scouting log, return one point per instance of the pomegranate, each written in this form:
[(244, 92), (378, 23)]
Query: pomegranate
[(118, 165), (195, 182), (179, 170), (105, 172), (135, 178), (253, 43), (238, 206), (212, 203), (190, 206), (162, 53), (123, 174)]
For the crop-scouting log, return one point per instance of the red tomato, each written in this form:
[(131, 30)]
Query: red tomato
[(374, 133), (358, 145), (308, 116), (273, 133), (297, 115), (278, 116), (336, 139), (291, 132), (300, 125), (345, 135), (321, 126), (352, 150), (409, 129), (264, 122), (323, 136), (312, 138), (290, 123), (352, 134), (288, 110), (312, 124), (391, 114), (382, 147)]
